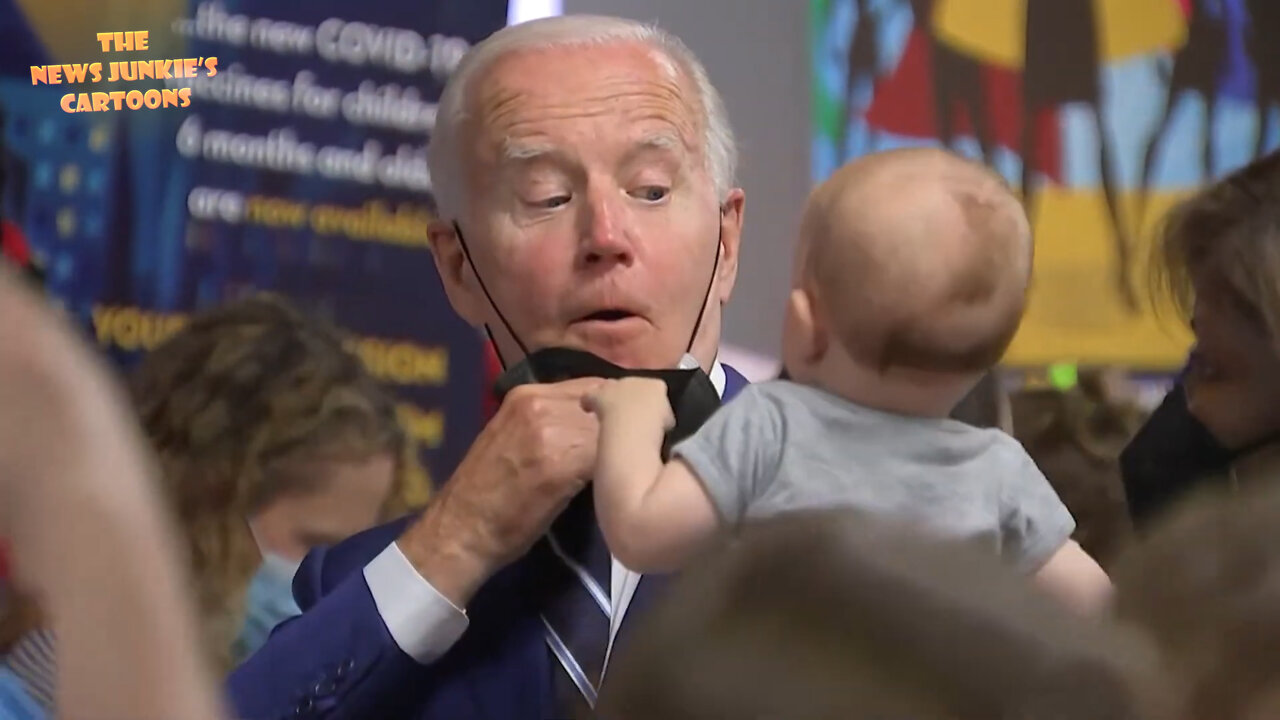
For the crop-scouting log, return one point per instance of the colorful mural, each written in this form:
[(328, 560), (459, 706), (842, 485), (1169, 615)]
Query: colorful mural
[(1102, 112)]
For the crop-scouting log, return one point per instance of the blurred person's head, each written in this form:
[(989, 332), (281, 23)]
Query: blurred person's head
[(910, 280), (584, 172), (1205, 585), (19, 611), (1075, 437), (1219, 259), (837, 614), (273, 439)]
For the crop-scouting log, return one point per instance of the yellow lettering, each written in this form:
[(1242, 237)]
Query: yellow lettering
[(426, 427), (130, 328), (152, 331), (125, 328), (275, 212), (401, 362), (368, 352), (373, 222), (432, 366), (172, 325), (102, 323)]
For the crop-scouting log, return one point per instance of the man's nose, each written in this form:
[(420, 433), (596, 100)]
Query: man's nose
[(604, 238)]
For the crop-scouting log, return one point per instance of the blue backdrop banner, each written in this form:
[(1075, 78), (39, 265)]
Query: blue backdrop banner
[(295, 162)]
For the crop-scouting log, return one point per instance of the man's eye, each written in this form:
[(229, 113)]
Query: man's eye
[(550, 203), (652, 193)]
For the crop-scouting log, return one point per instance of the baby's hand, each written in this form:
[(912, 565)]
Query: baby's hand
[(641, 397)]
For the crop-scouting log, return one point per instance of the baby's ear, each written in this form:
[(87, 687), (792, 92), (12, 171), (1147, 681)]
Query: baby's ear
[(805, 336)]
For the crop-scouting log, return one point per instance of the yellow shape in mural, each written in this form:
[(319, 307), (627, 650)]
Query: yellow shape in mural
[(994, 31), (1075, 313)]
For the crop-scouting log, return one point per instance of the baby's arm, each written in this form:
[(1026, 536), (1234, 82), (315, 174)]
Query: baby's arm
[(1037, 529), (653, 515), (1076, 579)]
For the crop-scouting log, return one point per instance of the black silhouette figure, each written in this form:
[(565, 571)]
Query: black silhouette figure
[(864, 54), (957, 82), (1196, 67), (1063, 66), (1264, 52)]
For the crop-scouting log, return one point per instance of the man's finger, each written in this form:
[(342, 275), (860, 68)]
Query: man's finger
[(578, 386)]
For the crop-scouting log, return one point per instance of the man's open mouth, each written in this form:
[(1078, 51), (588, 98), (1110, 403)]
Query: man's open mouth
[(610, 315)]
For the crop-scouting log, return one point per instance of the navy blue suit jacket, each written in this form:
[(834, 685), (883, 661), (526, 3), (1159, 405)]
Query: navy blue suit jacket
[(338, 661)]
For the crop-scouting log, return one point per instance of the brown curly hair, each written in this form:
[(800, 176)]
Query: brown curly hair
[(231, 402), (1230, 229)]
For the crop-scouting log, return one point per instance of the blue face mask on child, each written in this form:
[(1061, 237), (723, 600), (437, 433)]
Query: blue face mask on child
[(269, 602)]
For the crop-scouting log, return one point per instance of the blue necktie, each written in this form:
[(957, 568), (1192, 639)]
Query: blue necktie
[(577, 610)]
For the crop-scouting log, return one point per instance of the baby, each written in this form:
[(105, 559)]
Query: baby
[(909, 283)]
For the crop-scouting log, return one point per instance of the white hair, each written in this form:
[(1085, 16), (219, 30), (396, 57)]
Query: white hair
[(444, 153)]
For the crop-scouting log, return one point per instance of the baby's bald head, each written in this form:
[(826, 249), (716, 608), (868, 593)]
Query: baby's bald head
[(917, 259)]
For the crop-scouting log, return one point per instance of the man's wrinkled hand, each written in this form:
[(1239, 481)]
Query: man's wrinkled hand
[(536, 453)]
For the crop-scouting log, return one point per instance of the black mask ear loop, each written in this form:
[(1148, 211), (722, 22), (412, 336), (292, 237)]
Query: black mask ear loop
[(466, 252), (697, 323), (715, 268)]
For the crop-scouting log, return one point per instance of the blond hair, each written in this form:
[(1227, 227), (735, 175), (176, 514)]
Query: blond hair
[(231, 402)]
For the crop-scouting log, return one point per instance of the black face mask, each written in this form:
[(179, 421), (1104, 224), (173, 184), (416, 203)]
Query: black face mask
[(692, 395), (1171, 455)]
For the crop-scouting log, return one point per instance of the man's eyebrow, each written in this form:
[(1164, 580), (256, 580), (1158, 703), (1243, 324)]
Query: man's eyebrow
[(659, 141), (521, 151), (668, 142)]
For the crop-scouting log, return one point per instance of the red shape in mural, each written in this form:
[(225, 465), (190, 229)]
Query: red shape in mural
[(904, 104)]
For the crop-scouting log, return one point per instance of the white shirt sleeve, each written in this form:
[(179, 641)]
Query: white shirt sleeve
[(423, 623)]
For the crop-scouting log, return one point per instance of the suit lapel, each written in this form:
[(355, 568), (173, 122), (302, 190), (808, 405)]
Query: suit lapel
[(733, 383)]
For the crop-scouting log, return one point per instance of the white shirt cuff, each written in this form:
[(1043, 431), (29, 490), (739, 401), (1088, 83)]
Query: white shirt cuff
[(423, 622)]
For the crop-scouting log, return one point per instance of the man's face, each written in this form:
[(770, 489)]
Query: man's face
[(592, 218)]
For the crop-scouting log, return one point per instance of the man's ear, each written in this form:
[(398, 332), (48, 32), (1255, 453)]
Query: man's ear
[(456, 274), (731, 215)]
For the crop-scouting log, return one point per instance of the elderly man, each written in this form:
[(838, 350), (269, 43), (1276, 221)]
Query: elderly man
[(584, 174)]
